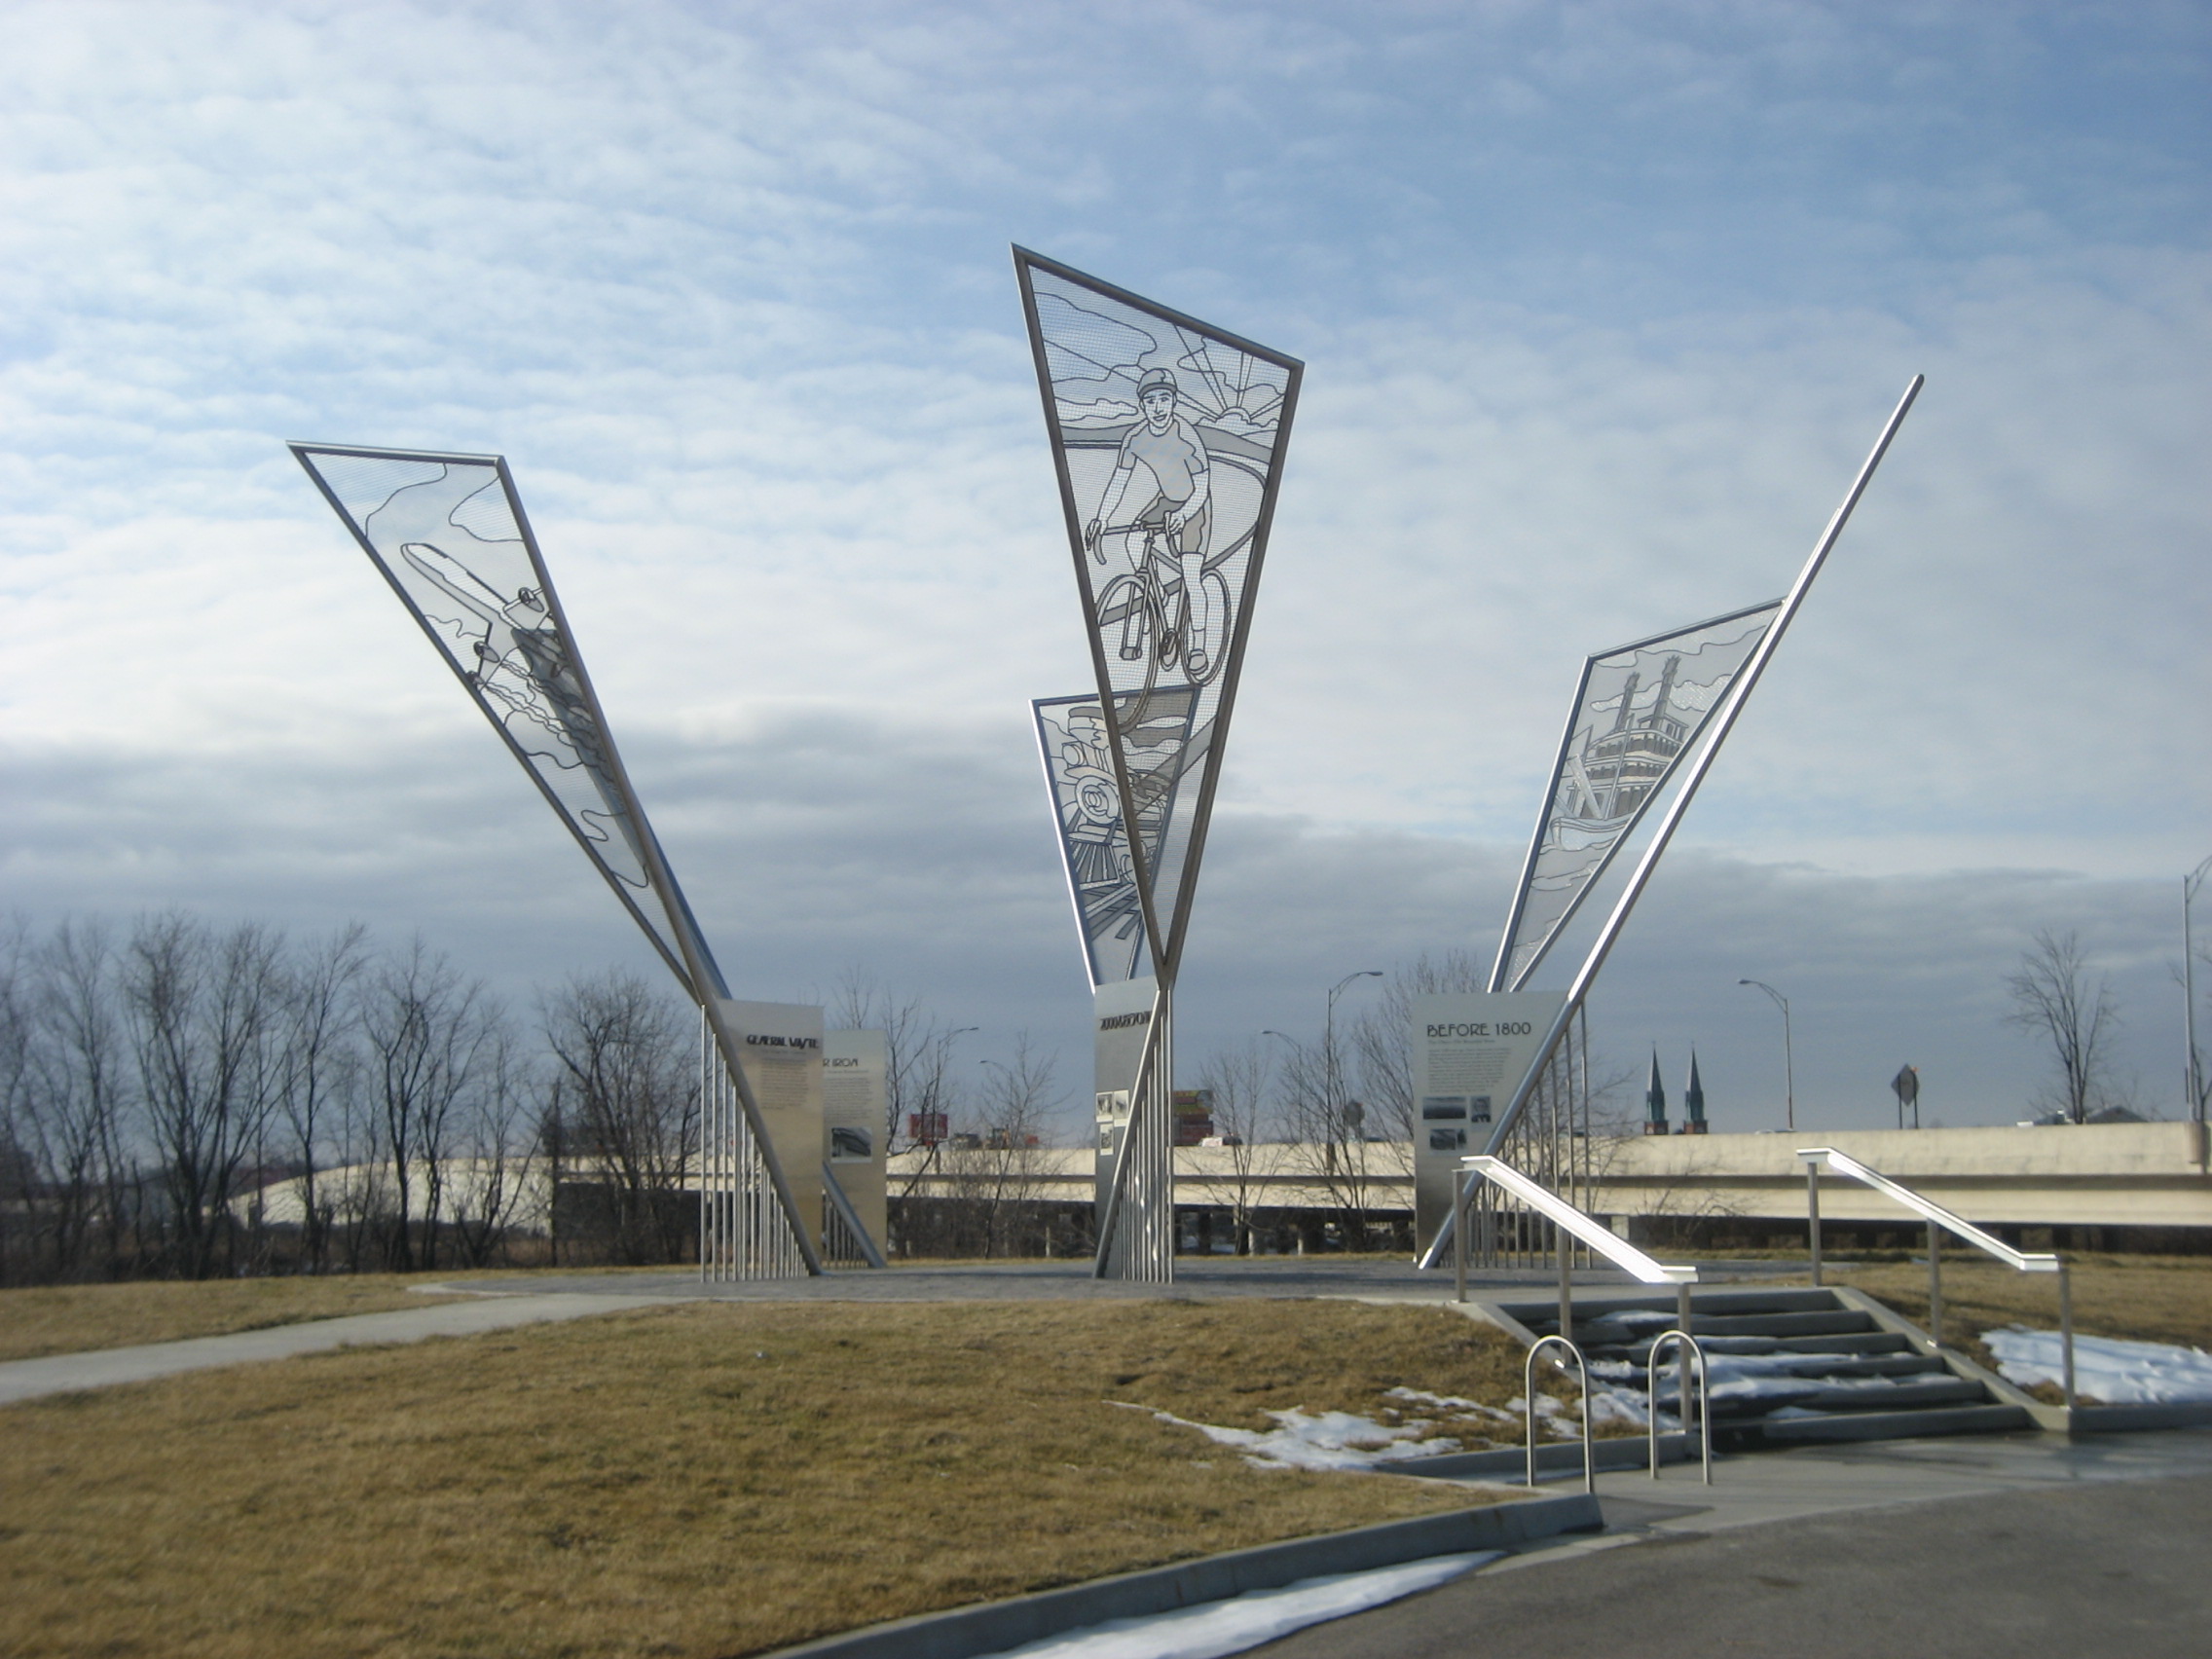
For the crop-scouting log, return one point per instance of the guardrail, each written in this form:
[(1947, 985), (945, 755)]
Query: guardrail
[(1688, 1346), (1529, 1394), (1939, 1220)]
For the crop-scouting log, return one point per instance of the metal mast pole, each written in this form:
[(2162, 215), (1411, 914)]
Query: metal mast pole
[(1745, 683)]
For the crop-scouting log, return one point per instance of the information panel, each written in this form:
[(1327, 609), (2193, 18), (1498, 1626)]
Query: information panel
[(1470, 1052), (1125, 1013), (855, 1090), (780, 1047)]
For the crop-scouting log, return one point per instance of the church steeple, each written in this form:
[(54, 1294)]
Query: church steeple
[(1655, 1100), (1693, 1101)]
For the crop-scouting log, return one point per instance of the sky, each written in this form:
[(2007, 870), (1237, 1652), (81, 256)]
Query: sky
[(1601, 306)]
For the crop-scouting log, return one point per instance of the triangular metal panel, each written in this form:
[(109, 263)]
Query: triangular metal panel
[(449, 533), (1074, 740), (1168, 438), (1638, 710)]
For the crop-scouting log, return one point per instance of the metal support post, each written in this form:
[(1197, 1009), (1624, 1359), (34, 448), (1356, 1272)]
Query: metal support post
[(1462, 1181), (1682, 1363), (1812, 1215), (1936, 1283), (2066, 1330), (1566, 1282)]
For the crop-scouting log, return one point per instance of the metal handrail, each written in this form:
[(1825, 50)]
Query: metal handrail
[(1529, 1394), (1937, 1217), (1691, 1348), (1582, 1225)]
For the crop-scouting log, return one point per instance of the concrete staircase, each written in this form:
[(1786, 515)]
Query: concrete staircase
[(1810, 1365)]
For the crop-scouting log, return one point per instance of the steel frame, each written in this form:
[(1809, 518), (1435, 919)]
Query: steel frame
[(1136, 1231), (1720, 723), (692, 960)]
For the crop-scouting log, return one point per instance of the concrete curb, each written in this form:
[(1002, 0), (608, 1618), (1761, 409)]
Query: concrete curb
[(2124, 1420), (967, 1632), (1555, 1460)]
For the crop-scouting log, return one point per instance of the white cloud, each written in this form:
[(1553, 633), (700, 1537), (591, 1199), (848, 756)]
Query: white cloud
[(1601, 306)]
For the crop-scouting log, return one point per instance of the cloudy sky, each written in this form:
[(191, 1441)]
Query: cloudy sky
[(1602, 305)]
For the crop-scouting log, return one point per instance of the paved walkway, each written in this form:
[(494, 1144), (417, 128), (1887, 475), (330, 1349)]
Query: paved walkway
[(492, 1305), (2011, 1546), (61, 1374)]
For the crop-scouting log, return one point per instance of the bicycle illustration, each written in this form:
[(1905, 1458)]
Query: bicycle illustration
[(1150, 603)]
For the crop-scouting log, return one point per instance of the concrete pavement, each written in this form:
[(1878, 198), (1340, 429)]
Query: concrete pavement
[(2011, 1546), (65, 1373)]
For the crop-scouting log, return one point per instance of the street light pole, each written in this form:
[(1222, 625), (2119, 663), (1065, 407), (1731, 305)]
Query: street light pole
[(1788, 1058), (2193, 1066)]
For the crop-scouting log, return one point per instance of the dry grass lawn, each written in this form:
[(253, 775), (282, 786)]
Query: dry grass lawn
[(707, 1479), (78, 1318)]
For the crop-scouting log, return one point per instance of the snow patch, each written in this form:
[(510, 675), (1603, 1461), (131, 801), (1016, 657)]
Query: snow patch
[(1329, 1439), (1221, 1627), (2105, 1368)]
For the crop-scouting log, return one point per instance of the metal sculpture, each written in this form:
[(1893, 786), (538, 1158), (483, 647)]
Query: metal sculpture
[(449, 533), (1716, 726), (1619, 756), (1167, 438), (1638, 710)]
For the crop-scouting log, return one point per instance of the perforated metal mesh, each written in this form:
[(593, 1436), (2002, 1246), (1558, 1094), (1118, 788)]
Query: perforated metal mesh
[(1637, 711), (449, 537)]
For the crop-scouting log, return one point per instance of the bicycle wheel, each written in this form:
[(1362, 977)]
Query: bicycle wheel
[(1214, 647), (1129, 627)]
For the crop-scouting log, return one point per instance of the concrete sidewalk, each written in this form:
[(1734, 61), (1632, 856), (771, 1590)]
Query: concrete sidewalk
[(2016, 1547), (60, 1373)]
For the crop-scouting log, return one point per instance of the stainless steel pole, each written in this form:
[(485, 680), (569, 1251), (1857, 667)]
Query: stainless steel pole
[(1936, 1283), (1461, 1181), (2193, 1065), (1739, 690), (2066, 1330), (1566, 1245), (1813, 1214)]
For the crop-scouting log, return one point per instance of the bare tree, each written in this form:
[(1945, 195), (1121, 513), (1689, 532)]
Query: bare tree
[(918, 1049), (498, 1154), (427, 1031), (2056, 998), (1382, 1037), (316, 1059), (1328, 1145), (199, 1007), (996, 1171), (1239, 1079), (629, 1104)]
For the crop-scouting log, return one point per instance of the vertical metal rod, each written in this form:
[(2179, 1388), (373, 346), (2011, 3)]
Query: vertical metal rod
[(1682, 1356), (1565, 1282), (1935, 1284), (2066, 1330), (1462, 1181), (1813, 1214)]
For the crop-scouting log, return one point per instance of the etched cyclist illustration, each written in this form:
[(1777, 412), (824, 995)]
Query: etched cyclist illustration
[(1168, 436), (1168, 605)]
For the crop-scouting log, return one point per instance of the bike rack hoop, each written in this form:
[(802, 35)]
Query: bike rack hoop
[(1691, 1350), (1529, 1394)]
